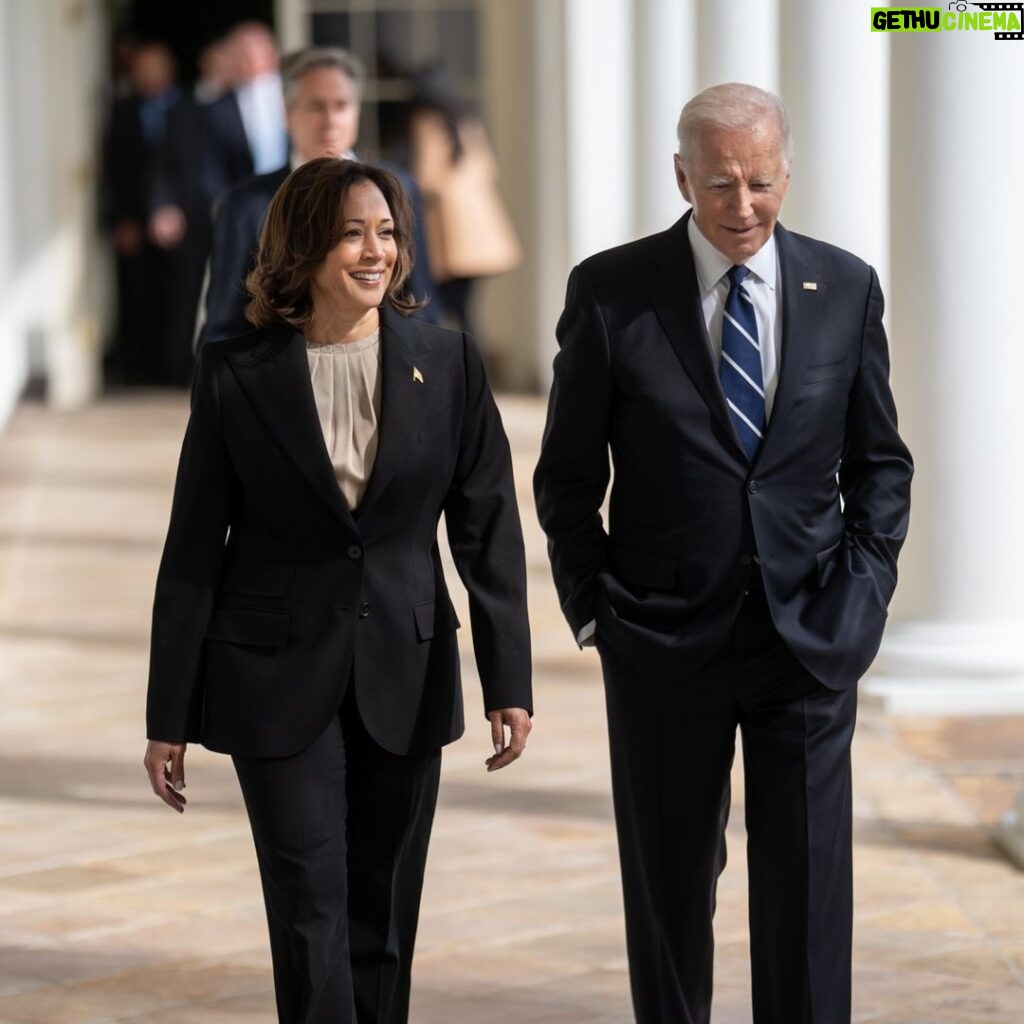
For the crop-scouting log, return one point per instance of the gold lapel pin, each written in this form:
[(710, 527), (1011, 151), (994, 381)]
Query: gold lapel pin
[(416, 375), (810, 286)]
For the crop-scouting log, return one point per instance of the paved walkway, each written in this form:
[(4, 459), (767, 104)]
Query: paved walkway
[(114, 909)]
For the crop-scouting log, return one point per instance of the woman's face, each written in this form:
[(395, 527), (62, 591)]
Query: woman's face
[(355, 274)]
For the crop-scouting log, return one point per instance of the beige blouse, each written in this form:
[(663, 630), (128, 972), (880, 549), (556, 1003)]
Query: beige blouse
[(346, 386)]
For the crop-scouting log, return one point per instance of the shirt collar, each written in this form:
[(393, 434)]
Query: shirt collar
[(712, 265)]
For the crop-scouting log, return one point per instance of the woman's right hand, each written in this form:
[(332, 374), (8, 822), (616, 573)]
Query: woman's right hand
[(165, 765)]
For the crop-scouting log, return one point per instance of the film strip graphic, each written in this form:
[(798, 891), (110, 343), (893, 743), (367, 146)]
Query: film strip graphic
[(1019, 8)]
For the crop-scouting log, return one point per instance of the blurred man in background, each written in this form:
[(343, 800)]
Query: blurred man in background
[(245, 127), (322, 94), (181, 222), (138, 126)]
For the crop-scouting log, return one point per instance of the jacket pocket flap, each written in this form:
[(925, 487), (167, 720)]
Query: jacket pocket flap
[(258, 579), (644, 569), (249, 626), (433, 619)]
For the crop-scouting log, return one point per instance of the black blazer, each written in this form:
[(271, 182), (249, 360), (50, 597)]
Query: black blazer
[(238, 220), (225, 156), (271, 594), (688, 513), (180, 177)]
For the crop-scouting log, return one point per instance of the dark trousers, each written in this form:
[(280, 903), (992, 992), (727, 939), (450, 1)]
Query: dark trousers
[(341, 832), (672, 744)]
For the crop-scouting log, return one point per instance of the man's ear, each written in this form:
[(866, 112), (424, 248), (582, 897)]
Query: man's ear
[(681, 181)]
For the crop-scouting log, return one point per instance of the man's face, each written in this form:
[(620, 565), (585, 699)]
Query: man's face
[(323, 116), (253, 52), (736, 181), (153, 70)]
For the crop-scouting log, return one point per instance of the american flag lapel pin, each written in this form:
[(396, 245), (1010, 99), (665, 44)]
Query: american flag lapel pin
[(416, 375)]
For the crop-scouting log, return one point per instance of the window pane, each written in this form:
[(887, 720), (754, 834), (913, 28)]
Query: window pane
[(331, 30), (394, 38), (457, 33)]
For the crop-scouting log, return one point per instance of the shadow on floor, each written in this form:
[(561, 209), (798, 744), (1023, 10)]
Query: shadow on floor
[(932, 837), (112, 783)]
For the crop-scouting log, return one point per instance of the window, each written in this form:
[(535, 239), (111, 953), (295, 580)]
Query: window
[(395, 39)]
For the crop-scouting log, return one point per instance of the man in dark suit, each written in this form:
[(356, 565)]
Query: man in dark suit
[(245, 128), (231, 128), (138, 126), (322, 90), (738, 373)]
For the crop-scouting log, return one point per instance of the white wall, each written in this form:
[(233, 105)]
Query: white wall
[(13, 349)]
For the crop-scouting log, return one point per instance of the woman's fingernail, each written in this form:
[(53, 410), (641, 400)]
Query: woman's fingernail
[(498, 748), (179, 785)]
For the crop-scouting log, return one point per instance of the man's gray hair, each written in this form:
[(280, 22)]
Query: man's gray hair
[(294, 65), (734, 106)]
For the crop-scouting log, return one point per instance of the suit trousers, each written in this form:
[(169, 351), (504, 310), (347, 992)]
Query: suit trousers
[(672, 738), (341, 831)]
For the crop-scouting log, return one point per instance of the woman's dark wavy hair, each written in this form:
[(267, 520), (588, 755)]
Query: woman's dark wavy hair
[(305, 221)]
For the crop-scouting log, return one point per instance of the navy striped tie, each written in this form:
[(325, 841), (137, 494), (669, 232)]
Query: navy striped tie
[(740, 369)]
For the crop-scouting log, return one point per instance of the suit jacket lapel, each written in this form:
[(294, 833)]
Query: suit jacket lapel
[(275, 377), (801, 309), (675, 296), (404, 401)]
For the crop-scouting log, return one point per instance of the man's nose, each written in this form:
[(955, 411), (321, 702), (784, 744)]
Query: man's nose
[(742, 201), (335, 115)]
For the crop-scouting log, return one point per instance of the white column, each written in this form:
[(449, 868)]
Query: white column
[(739, 42), (69, 306), (550, 176), (292, 24), (12, 347), (835, 84), (958, 164), (599, 129), (522, 60), (665, 49)]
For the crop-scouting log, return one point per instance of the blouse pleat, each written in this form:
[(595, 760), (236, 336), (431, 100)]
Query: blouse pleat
[(346, 386)]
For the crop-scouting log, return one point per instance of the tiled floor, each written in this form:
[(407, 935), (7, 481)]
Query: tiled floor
[(114, 909)]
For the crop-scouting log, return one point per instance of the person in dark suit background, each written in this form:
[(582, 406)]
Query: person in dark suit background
[(245, 128), (322, 92), (231, 127), (302, 622), (738, 374), (180, 221), (138, 126)]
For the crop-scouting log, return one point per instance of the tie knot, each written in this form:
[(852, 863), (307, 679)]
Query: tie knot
[(736, 275)]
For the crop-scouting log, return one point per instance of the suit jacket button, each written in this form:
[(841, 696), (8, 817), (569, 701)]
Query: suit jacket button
[(745, 559), (752, 487), (364, 610), (354, 551)]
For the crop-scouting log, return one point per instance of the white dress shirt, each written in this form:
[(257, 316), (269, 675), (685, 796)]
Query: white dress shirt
[(261, 104), (764, 286)]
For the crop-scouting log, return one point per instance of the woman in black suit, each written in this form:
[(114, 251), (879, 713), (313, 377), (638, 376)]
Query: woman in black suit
[(302, 622)]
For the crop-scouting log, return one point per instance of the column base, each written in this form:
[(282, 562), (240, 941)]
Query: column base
[(950, 668), (1009, 835), (953, 668)]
